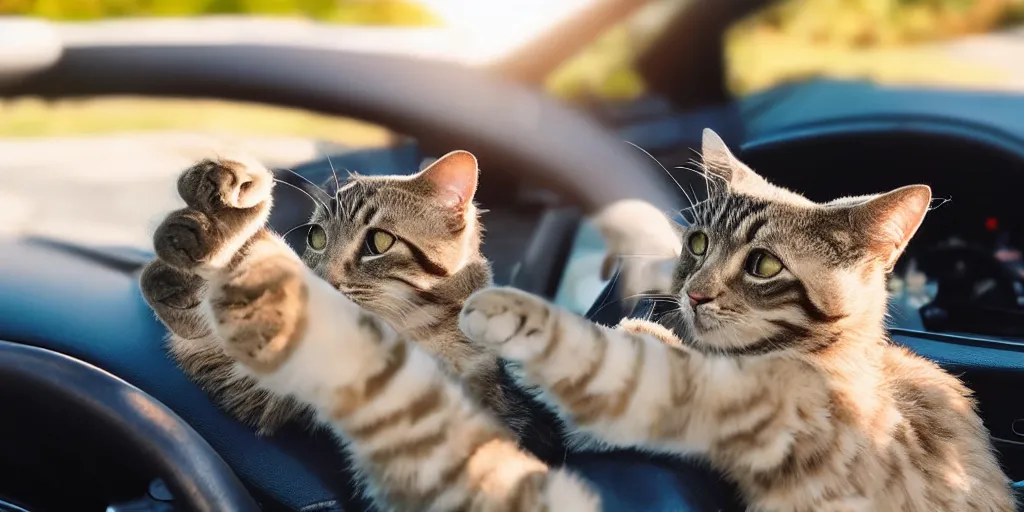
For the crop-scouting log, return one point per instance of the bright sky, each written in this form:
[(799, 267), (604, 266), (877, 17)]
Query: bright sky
[(498, 27)]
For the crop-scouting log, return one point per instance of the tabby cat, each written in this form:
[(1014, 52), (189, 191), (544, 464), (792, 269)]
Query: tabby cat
[(777, 368), (405, 248)]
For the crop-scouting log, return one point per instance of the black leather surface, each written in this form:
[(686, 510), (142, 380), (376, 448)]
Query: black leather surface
[(156, 438)]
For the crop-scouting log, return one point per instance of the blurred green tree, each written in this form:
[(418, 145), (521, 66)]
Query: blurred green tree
[(353, 12)]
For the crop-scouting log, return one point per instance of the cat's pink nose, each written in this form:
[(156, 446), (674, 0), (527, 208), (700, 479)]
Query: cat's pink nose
[(697, 299)]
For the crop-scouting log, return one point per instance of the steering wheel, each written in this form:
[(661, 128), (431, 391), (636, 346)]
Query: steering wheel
[(159, 440), (444, 106)]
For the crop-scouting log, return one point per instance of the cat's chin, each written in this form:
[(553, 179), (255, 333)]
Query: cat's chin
[(714, 335), (714, 331)]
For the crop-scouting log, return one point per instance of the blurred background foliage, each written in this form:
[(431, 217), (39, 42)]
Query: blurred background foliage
[(352, 12), (891, 41), (883, 40)]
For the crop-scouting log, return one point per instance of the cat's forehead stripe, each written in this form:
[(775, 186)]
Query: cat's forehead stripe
[(368, 214), (729, 214), (753, 227)]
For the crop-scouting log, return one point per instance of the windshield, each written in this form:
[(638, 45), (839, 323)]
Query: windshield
[(942, 43)]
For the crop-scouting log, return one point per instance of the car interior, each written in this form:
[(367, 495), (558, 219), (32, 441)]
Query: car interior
[(96, 416)]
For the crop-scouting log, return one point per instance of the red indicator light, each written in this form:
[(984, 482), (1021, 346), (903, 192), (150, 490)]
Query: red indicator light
[(991, 223)]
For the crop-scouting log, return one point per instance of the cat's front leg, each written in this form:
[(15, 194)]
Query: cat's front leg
[(630, 386), (415, 433), (642, 243), (227, 204), (175, 297)]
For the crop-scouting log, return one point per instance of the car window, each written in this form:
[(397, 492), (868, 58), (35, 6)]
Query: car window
[(948, 43)]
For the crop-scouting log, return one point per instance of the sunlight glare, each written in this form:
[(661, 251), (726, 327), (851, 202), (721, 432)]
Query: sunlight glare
[(495, 29)]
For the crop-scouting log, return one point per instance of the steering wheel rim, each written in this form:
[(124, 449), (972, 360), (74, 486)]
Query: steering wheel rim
[(155, 436), (442, 105)]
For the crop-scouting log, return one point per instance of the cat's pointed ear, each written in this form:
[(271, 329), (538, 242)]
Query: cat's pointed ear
[(890, 220), (720, 162), (453, 178)]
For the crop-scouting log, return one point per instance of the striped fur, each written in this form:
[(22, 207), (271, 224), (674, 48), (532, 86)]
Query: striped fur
[(415, 424), (788, 383), (172, 286)]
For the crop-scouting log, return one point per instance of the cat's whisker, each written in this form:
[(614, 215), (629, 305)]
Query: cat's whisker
[(337, 186), (296, 228), (640, 255), (708, 177), (708, 187), (663, 297), (694, 192), (307, 180), (352, 205), (300, 189), (662, 167), (942, 201)]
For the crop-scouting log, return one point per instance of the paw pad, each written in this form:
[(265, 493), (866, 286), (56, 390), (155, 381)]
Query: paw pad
[(505, 317), (211, 185)]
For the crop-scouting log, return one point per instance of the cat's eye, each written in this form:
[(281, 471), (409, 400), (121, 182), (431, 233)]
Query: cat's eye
[(379, 242), (698, 243), (316, 239), (761, 263)]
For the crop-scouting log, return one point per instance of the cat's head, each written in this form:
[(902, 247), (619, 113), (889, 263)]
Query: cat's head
[(765, 269), (399, 245)]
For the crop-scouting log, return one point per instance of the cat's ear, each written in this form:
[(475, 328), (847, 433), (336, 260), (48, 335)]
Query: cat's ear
[(721, 163), (890, 220), (453, 178)]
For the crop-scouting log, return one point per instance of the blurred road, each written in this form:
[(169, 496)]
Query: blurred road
[(113, 189), (1003, 51)]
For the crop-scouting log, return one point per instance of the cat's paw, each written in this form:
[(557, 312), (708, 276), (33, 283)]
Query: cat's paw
[(649, 328), (212, 185), (167, 286), (175, 297), (515, 323), (643, 245), (228, 202), (260, 311)]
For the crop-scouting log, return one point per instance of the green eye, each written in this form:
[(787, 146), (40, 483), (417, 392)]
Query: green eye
[(317, 238), (379, 242), (698, 243), (761, 263)]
